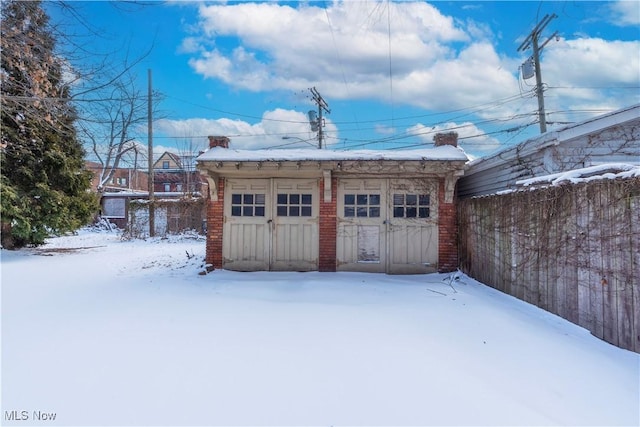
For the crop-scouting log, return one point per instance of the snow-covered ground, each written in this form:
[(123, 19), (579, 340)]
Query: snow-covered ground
[(100, 331)]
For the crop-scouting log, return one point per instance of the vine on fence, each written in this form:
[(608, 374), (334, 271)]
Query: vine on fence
[(570, 249)]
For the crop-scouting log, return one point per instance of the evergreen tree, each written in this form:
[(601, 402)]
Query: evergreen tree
[(44, 186)]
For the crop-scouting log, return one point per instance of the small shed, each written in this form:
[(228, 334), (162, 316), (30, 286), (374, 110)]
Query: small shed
[(307, 210)]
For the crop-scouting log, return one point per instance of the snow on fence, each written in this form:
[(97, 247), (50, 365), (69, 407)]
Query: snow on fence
[(571, 249)]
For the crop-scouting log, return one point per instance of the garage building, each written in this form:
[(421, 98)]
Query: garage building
[(322, 210)]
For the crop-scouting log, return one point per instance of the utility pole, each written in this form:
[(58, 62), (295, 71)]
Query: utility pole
[(150, 180), (532, 41), (322, 105)]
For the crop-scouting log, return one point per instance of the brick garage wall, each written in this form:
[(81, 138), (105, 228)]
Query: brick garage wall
[(328, 228), (447, 232), (215, 221)]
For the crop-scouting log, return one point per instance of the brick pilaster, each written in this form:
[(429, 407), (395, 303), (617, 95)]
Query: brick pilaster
[(447, 232), (328, 227), (215, 222)]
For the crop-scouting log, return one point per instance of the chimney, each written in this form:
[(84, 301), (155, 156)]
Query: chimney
[(449, 138), (218, 141)]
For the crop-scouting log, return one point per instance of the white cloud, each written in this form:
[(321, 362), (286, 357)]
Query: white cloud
[(433, 62), (593, 61), (190, 45), (471, 138), (346, 50), (591, 70), (384, 129), (278, 128), (625, 13), (476, 76)]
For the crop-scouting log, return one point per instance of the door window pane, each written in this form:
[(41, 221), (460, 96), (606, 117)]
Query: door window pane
[(247, 204), (294, 204), (411, 205), (362, 205)]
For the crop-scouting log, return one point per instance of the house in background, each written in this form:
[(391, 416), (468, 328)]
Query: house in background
[(608, 139), (123, 179), (304, 210), (173, 173), (175, 178)]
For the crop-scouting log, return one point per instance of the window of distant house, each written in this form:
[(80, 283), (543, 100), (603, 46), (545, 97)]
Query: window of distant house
[(122, 181), (165, 164), (247, 204), (178, 187), (411, 206), (294, 204), (167, 187), (362, 205)]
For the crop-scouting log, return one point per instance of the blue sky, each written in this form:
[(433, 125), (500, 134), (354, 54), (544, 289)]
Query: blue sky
[(392, 73)]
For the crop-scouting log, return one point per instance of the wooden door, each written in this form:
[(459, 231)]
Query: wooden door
[(246, 232), (295, 225), (361, 239), (412, 227)]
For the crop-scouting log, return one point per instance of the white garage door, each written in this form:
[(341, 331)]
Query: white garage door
[(387, 226), (271, 224)]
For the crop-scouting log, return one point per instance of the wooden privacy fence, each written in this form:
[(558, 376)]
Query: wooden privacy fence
[(573, 250)]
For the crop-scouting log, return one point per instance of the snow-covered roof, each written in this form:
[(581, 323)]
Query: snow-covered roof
[(218, 154), (577, 176), (603, 171), (555, 137)]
